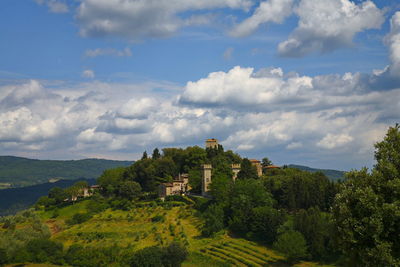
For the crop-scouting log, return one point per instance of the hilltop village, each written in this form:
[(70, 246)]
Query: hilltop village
[(180, 184)]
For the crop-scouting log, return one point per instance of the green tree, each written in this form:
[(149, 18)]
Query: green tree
[(266, 162), (292, 244), (247, 170), (144, 156), (110, 180), (148, 257), (367, 209), (174, 255), (129, 190), (265, 223), (213, 220), (58, 194), (156, 154), (44, 250), (3, 256)]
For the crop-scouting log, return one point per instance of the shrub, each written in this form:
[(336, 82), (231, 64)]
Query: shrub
[(79, 218), (158, 218), (292, 244)]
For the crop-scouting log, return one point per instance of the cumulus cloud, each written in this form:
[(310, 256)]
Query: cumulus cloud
[(275, 11), (134, 19), (126, 52), (54, 6), (331, 141), (326, 25), (88, 74), (258, 113), (393, 41)]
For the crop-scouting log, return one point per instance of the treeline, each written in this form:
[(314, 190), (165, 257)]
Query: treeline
[(288, 210)]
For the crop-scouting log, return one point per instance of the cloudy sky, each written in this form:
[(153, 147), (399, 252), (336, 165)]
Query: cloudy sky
[(312, 82)]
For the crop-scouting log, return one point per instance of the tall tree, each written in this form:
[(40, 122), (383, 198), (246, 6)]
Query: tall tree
[(144, 156), (156, 154), (367, 210)]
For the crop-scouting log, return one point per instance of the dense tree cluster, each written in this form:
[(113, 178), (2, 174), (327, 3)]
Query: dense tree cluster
[(367, 209)]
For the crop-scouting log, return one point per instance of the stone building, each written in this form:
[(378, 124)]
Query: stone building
[(235, 170), (206, 179), (256, 163), (179, 186), (212, 143)]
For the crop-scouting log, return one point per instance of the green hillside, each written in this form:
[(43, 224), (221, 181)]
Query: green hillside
[(23, 172), (333, 175), (136, 229)]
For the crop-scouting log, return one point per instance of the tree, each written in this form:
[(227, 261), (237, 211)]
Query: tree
[(110, 180), (213, 219), (247, 170), (3, 257), (265, 223), (44, 250), (367, 209), (144, 156), (266, 162), (129, 190), (58, 194), (156, 154), (292, 244), (174, 255), (148, 257)]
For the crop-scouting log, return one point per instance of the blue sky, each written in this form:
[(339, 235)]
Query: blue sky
[(300, 81)]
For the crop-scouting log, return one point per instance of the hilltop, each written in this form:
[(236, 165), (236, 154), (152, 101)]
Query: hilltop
[(18, 171), (334, 175)]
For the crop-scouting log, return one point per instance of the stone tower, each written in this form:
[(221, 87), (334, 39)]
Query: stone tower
[(257, 164), (235, 170), (212, 143), (206, 179)]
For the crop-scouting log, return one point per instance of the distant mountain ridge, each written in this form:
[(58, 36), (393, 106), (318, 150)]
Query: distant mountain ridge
[(16, 199), (20, 171), (334, 175)]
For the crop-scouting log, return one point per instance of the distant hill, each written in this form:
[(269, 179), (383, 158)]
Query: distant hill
[(16, 199), (334, 175), (23, 172)]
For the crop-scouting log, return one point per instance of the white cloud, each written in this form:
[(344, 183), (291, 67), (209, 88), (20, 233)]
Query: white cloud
[(54, 6), (275, 11), (88, 74), (228, 53), (326, 25), (393, 40), (294, 145), (259, 113), (126, 52), (331, 141), (135, 19)]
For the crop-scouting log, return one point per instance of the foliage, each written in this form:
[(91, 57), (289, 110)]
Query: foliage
[(247, 170), (44, 250), (171, 256), (265, 223), (156, 154), (317, 229), (213, 220), (295, 189), (292, 244), (79, 218), (367, 209), (80, 256)]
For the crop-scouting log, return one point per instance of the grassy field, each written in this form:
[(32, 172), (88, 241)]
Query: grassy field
[(147, 226)]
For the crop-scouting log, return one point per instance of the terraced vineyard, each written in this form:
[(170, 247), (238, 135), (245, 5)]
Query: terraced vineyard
[(138, 228), (239, 252)]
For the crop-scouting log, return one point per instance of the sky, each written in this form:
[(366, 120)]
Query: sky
[(310, 82)]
